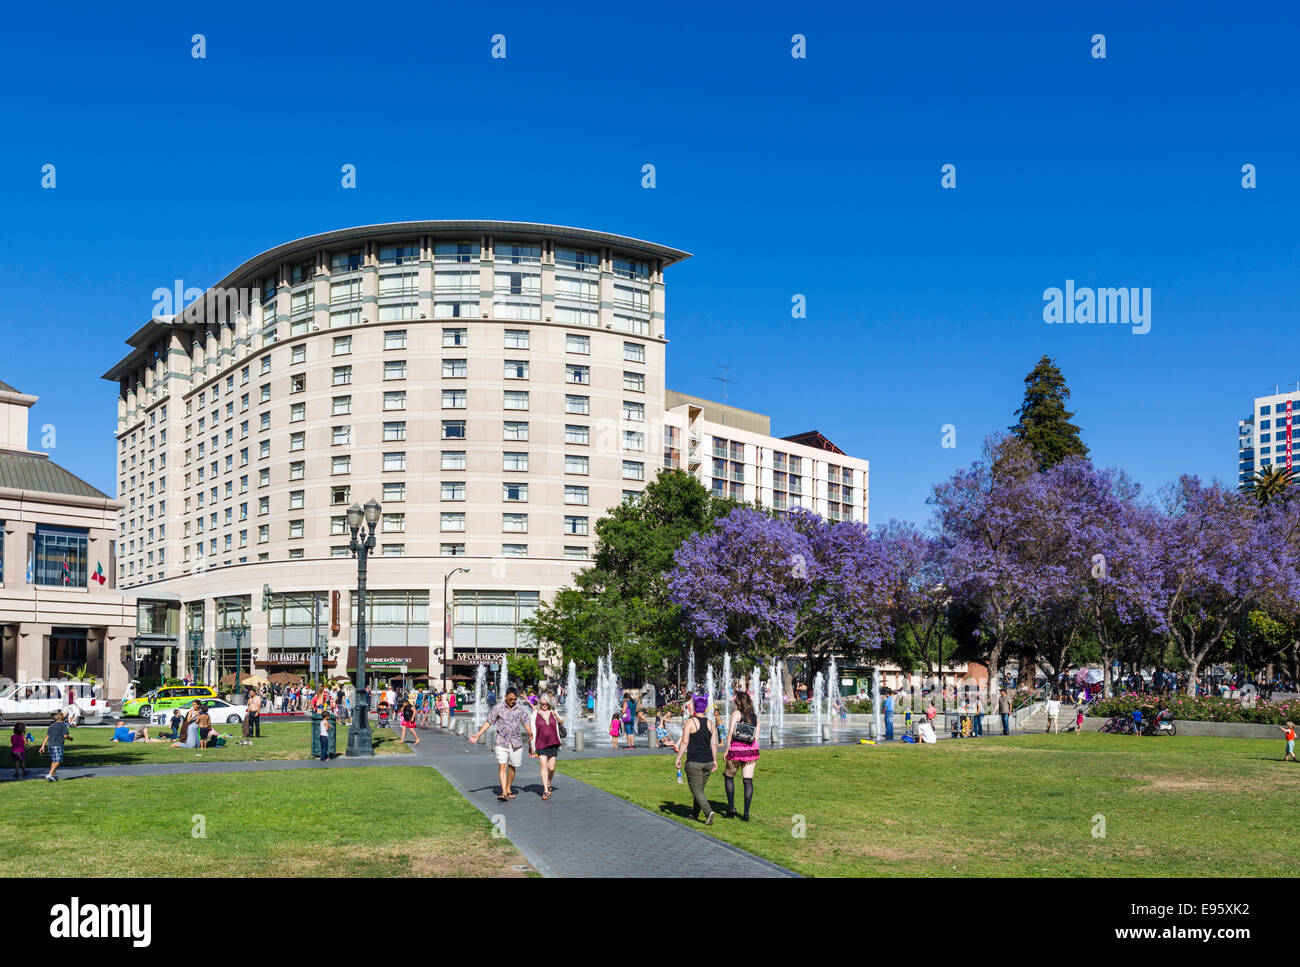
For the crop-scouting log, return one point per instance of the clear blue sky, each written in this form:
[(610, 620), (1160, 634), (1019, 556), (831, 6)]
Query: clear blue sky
[(782, 176)]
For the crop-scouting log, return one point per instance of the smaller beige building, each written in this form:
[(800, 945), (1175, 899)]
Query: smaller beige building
[(59, 606)]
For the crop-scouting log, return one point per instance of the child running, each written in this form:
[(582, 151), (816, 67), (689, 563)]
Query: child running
[(18, 748)]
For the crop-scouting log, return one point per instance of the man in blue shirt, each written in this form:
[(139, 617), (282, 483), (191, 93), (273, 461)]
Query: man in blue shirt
[(888, 709), (123, 734)]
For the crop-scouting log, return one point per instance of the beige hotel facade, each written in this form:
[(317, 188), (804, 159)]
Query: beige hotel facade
[(496, 386)]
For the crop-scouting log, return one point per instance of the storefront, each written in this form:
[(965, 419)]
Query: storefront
[(464, 667), (293, 661), (389, 663)]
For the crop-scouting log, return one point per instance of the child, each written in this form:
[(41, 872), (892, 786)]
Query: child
[(662, 735), (719, 725), (907, 722), (615, 729), (642, 723), (18, 747), (1078, 719), (1288, 730), (55, 736), (176, 723)]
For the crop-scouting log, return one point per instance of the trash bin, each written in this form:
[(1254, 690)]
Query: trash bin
[(315, 735)]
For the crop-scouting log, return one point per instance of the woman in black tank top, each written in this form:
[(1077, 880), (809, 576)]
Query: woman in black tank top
[(700, 745)]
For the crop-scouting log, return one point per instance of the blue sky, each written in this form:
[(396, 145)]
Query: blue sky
[(818, 176)]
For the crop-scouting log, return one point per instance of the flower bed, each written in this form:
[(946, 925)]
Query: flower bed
[(1202, 708)]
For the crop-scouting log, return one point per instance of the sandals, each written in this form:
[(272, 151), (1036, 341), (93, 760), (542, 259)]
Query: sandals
[(547, 794), (501, 798)]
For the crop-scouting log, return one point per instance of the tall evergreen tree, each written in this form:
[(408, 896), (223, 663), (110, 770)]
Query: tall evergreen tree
[(1043, 422)]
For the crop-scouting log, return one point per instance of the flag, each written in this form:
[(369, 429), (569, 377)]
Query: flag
[(29, 567), (67, 574), (99, 573)]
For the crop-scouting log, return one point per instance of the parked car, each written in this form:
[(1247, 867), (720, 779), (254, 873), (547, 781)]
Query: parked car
[(38, 701), (168, 697), (218, 708)]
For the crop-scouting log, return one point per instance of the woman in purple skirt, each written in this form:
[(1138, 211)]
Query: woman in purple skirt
[(741, 752)]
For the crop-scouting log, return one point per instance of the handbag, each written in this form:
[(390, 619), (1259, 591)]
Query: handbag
[(744, 733), (564, 733)]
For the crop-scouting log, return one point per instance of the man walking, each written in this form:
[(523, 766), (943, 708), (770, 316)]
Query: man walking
[(511, 719), (1004, 710), (889, 717), (254, 716)]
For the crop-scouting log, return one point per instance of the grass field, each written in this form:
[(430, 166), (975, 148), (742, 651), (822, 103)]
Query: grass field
[(1018, 806), (332, 822), (280, 740)]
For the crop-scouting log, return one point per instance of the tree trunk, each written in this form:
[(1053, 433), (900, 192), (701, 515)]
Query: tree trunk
[(1193, 669)]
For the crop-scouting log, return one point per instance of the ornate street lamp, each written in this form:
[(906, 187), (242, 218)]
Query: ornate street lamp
[(239, 631), (446, 623), (196, 639), (363, 542)]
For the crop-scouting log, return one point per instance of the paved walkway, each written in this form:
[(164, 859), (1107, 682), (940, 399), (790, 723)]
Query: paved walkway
[(579, 831)]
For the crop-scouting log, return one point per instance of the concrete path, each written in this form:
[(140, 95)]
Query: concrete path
[(579, 831)]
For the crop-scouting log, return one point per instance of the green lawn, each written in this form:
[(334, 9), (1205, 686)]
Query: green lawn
[(1018, 806), (331, 822), (280, 740)]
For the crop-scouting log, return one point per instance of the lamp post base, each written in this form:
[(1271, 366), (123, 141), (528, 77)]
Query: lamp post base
[(359, 742)]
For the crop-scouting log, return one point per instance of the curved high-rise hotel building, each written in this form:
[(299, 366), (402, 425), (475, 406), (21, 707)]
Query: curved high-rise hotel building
[(495, 386)]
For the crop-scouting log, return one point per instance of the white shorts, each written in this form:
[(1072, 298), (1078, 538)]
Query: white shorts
[(514, 757)]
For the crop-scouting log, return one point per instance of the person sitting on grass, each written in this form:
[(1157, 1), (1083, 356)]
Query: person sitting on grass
[(124, 734)]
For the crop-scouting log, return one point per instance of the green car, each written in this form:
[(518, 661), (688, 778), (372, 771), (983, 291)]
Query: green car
[(167, 697)]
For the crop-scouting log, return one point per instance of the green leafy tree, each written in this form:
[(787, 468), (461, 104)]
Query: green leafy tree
[(621, 602), (1269, 484), (1043, 422)]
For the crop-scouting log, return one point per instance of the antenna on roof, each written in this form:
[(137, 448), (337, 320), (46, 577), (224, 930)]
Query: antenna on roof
[(724, 379)]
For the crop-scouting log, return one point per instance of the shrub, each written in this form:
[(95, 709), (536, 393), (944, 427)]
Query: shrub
[(1201, 708)]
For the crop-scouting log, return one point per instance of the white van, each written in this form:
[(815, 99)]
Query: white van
[(38, 701)]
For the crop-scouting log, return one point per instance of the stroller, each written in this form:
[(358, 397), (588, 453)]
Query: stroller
[(383, 715)]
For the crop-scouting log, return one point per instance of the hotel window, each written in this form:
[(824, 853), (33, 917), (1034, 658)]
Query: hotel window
[(515, 399), (301, 306), (579, 435), (514, 461), (395, 461), (243, 408), (339, 551), (398, 311), (455, 338), (394, 492), (296, 499), (577, 374), (295, 529), (264, 450), (575, 494), (297, 441), (266, 366), (453, 490), (516, 369), (580, 405), (451, 550), (634, 382), (399, 284), (394, 550), (454, 399), (395, 339), (264, 476), (265, 398), (298, 354), (455, 293), (453, 460), (517, 339), (453, 522), (342, 375), (577, 344), (243, 511), (575, 464), (297, 382), (633, 470), (514, 492), (340, 495), (302, 272), (264, 533), (342, 345), (454, 368), (575, 525), (264, 505), (631, 496), (455, 252), (341, 318), (393, 523), (395, 400), (341, 435), (405, 254), (243, 376), (341, 406), (514, 523), (514, 550), (395, 369), (575, 553), (395, 431), (60, 556), (632, 440), (243, 539), (349, 261), (633, 352), (297, 470), (514, 430), (453, 429), (634, 411), (517, 294), (243, 430), (340, 465)]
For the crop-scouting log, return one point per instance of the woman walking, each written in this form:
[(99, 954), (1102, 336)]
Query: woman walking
[(440, 705), (741, 752), (700, 746), (408, 722), (546, 739)]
